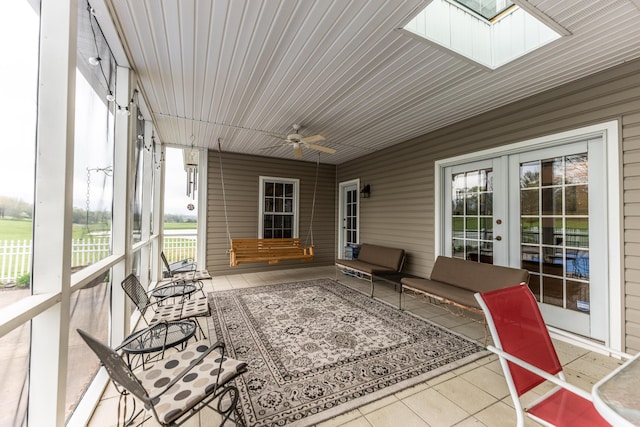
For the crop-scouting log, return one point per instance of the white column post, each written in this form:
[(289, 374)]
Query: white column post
[(158, 211), (122, 206), (53, 210), (201, 249), (147, 183)]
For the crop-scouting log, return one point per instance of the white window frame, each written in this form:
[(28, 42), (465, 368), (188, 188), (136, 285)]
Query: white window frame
[(341, 213), (296, 202), (609, 131)]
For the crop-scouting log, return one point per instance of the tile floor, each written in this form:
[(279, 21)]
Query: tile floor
[(472, 395)]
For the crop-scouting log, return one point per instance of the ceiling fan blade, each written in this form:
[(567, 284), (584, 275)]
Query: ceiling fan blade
[(297, 152), (321, 148), (312, 138)]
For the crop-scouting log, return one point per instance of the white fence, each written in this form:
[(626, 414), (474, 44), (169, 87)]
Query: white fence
[(15, 255), (180, 246), (15, 259)]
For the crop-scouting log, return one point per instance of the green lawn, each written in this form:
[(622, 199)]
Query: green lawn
[(15, 229), (20, 229)]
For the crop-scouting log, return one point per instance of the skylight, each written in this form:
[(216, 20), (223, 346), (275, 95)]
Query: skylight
[(488, 9), (489, 32)]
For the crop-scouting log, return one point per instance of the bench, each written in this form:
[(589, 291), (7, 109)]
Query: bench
[(372, 260), (268, 250), (454, 281)]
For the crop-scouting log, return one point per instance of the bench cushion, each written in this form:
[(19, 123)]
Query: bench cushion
[(365, 267), (474, 276), (388, 258)]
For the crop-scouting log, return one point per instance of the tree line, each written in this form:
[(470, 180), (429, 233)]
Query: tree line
[(19, 209)]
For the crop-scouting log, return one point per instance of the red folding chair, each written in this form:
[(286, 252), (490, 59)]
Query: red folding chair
[(528, 359)]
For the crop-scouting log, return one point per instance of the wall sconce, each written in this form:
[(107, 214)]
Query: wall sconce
[(366, 191)]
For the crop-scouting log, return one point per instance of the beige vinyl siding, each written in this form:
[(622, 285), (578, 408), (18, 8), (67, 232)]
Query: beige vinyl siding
[(400, 211), (241, 182), (631, 161)]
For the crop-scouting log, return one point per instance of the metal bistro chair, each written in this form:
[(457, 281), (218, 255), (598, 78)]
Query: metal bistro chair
[(183, 271), (185, 309), (528, 359), (178, 387)]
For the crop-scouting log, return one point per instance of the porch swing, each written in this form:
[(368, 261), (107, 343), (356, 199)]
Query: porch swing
[(270, 250)]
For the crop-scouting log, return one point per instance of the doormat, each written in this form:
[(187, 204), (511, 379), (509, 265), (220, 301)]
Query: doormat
[(316, 349)]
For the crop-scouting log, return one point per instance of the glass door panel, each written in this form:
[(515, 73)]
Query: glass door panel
[(473, 215), (351, 217), (559, 202), (348, 233), (554, 235)]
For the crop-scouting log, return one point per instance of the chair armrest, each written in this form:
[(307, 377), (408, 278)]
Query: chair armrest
[(195, 362), (547, 376)]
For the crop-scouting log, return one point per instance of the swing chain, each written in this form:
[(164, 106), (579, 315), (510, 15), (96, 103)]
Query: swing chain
[(224, 195), (108, 171), (88, 203), (313, 204)]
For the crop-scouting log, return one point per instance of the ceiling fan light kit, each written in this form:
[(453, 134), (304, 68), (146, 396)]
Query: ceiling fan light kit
[(298, 142)]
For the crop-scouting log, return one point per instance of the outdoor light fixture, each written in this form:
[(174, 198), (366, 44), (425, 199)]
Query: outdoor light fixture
[(94, 60), (366, 191), (110, 97)]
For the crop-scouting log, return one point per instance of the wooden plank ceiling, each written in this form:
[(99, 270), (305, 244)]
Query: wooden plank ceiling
[(230, 69)]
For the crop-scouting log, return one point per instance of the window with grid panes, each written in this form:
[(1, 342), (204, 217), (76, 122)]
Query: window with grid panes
[(279, 208)]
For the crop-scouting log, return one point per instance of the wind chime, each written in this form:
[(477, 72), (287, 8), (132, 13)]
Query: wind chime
[(191, 156)]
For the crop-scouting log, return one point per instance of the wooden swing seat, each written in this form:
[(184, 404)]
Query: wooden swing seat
[(268, 250)]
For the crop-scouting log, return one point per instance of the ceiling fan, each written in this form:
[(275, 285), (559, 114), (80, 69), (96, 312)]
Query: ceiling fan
[(298, 141)]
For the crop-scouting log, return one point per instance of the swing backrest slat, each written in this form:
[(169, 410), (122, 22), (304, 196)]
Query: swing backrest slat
[(268, 250)]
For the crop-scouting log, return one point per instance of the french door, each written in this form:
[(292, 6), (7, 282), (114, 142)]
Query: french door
[(545, 211), (348, 214)]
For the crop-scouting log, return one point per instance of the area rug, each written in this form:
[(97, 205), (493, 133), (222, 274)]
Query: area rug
[(316, 349)]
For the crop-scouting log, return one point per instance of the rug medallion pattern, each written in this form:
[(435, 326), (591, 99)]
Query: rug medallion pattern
[(317, 348)]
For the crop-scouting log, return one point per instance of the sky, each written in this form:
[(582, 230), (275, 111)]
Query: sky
[(175, 186), (18, 90), (18, 73)]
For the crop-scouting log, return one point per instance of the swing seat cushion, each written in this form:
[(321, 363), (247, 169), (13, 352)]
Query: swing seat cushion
[(268, 250)]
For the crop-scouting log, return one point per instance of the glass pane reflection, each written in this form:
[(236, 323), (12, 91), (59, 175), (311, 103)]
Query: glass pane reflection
[(472, 210), (552, 291), (576, 169), (552, 171), (530, 175), (554, 224), (577, 200), (529, 202)]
